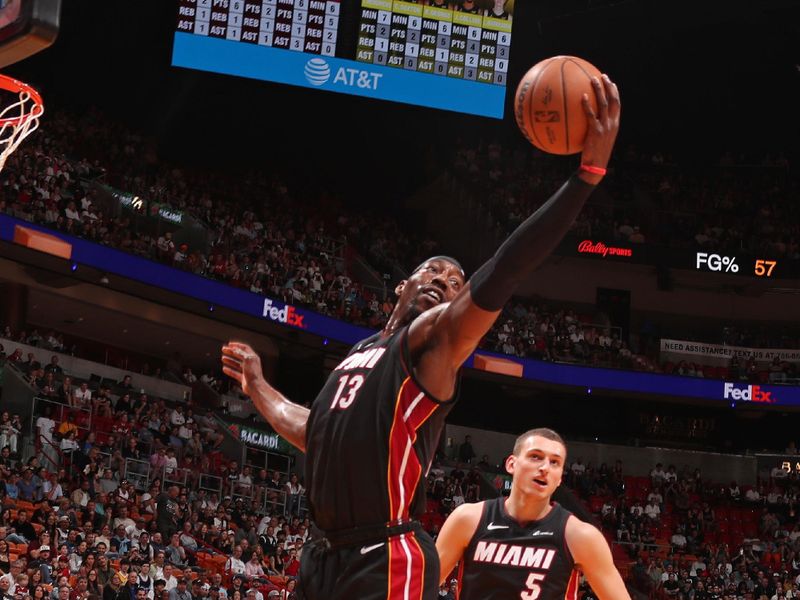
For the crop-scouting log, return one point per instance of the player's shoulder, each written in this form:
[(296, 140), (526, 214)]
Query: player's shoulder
[(581, 530), (581, 536), (468, 513)]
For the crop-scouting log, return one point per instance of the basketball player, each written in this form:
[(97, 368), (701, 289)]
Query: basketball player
[(372, 431), (526, 545)]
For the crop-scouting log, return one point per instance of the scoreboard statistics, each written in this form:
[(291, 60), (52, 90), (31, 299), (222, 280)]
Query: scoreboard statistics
[(428, 39), (447, 55)]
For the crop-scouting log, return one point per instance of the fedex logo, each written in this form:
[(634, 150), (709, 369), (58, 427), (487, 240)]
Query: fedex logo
[(750, 393), (286, 315)]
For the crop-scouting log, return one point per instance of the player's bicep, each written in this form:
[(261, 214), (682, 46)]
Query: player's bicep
[(461, 325), (454, 537), (592, 554)]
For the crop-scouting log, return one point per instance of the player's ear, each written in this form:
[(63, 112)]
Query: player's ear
[(400, 287), (510, 464)]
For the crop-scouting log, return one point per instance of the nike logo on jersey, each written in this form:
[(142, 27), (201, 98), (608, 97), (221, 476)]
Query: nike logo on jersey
[(535, 533), (491, 526), (366, 549)]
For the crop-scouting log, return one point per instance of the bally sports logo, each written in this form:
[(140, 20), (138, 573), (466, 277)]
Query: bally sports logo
[(748, 393), (287, 315), (590, 247)]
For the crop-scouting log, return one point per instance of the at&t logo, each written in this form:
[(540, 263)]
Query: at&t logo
[(318, 73)]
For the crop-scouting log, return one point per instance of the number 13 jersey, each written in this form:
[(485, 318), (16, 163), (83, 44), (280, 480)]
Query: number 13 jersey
[(370, 438)]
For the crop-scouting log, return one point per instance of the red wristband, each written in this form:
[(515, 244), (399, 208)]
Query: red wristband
[(593, 170)]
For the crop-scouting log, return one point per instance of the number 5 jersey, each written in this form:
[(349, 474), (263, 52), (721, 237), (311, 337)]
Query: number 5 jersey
[(506, 560)]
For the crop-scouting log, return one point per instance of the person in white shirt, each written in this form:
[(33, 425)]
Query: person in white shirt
[(82, 396), (578, 468), (45, 426), (636, 510), (134, 532), (69, 445), (11, 577), (245, 481), (698, 566), (176, 417), (167, 576), (678, 540), (263, 524), (752, 495), (293, 490), (71, 212), (51, 489), (734, 491), (658, 475), (655, 497), (671, 475), (170, 463), (235, 565), (652, 510)]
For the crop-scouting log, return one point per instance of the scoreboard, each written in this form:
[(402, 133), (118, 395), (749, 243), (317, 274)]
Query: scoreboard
[(300, 25), (448, 55), (434, 40)]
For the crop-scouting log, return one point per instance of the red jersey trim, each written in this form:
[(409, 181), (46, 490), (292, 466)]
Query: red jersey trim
[(412, 409), (406, 568), (572, 586)]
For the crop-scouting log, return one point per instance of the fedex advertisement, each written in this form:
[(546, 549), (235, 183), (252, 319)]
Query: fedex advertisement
[(750, 393), (79, 252)]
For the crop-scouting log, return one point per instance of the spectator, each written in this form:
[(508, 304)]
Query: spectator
[(235, 564), (175, 553), (167, 510), (465, 451), (179, 592), (652, 510), (253, 567), (294, 491), (678, 540)]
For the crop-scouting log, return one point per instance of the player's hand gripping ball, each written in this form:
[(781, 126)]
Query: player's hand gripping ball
[(548, 104)]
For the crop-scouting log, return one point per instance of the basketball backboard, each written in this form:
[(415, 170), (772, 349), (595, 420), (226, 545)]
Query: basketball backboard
[(26, 27)]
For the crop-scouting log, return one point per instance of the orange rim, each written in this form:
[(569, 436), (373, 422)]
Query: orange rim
[(18, 87)]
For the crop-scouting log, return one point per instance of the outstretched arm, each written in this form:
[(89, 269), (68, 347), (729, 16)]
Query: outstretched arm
[(452, 333), (242, 364), (593, 556)]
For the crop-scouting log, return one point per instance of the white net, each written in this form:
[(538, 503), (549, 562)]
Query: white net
[(17, 121)]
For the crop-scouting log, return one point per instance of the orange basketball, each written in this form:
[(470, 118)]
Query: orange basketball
[(548, 103)]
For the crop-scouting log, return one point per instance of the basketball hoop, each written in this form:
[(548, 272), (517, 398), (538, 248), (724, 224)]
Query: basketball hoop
[(19, 119)]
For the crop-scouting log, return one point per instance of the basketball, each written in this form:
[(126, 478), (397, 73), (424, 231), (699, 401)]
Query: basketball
[(548, 105)]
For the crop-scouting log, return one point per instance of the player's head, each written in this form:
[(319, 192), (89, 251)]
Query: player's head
[(537, 462), (436, 281)]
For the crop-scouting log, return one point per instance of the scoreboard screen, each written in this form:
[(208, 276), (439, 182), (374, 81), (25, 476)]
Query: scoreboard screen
[(447, 55)]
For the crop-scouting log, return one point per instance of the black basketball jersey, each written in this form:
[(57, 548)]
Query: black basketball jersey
[(506, 560), (371, 437)]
